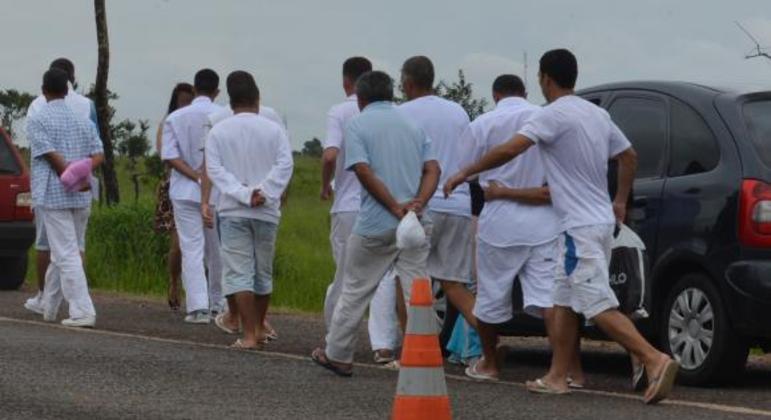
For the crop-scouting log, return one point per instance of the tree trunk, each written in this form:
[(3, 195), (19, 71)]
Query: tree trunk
[(103, 111)]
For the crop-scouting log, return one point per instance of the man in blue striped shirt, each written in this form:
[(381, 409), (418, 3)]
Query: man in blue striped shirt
[(59, 137)]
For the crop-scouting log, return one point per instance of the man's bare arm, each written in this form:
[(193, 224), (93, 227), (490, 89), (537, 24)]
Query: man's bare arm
[(534, 196), (97, 160), (182, 167), (328, 162), (428, 184), (370, 182), (496, 157), (56, 161), (627, 167)]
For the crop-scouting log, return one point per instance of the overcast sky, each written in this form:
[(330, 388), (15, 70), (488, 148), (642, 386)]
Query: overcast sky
[(295, 48)]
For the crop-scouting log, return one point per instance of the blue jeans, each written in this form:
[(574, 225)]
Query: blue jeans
[(248, 248)]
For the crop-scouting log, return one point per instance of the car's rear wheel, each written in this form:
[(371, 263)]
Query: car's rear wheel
[(12, 272), (694, 329)]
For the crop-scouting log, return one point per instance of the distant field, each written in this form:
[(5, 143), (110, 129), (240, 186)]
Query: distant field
[(124, 253)]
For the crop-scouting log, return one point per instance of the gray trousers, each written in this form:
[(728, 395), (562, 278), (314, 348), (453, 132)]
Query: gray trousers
[(367, 259)]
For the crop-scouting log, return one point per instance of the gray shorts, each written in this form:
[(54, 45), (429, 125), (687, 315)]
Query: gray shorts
[(248, 248), (583, 282), (451, 248), (41, 237)]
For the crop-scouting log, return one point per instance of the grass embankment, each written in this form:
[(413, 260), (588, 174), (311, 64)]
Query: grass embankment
[(124, 254)]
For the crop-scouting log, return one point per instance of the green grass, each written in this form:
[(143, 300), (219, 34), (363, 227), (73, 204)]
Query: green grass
[(124, 253)]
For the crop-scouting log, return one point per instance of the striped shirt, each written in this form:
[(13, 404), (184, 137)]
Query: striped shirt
[(56, 128)]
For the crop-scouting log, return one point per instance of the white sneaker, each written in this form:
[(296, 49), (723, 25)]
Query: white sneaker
[(35, 304), (198, 317), (85, 322)]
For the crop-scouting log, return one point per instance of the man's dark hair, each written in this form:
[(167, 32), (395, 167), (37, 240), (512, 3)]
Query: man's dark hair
[(242, 89), (55, 82), (420, 70), (66, 66), (561, 66), (509, 85), (375, 86), (354, 67), (206, 82)]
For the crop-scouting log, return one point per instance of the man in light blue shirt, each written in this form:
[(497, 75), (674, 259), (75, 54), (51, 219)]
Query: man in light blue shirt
[(398, 172)]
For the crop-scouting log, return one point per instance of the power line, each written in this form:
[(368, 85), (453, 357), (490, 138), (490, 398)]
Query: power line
[(757, 51)]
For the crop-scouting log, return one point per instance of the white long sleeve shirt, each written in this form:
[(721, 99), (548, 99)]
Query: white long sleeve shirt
[(247, 152), (184, 132)]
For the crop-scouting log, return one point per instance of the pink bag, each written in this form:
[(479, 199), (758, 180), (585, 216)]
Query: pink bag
[(77, 175)]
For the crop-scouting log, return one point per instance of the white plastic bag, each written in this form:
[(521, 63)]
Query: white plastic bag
[(628, 273), (410, 233)]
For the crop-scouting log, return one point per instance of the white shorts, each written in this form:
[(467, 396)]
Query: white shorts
[(497, 269), (583, 282), (450, 257)]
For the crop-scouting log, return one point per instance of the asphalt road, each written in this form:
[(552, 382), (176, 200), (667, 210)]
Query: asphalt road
[(143, 362)]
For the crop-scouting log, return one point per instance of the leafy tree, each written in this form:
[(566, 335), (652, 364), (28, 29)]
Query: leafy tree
[(461, 92), (101, 97), (14, 106), (313, 148), (131, 141)]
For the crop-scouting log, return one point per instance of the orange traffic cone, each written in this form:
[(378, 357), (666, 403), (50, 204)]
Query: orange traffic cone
[(422, 392)]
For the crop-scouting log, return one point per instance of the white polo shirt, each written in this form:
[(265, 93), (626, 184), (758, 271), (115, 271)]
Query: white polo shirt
[(443, 122), (347, 187), (576, 139), (184, 133), (505, 223), (78, 103), (247, 152)]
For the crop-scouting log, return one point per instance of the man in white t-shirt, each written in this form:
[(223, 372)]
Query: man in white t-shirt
[(443, 122), (249, 160), (346, 197), (576, 139), (228, 320), (184, 132), (518, 228), (83, 107)]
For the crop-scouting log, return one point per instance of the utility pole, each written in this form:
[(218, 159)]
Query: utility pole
[(524, 70)]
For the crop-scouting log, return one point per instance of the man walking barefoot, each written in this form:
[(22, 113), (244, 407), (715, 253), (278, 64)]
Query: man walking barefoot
[(576, 139), (249, 160)]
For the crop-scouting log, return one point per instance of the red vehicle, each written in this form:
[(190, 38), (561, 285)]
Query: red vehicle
[(17, 231)]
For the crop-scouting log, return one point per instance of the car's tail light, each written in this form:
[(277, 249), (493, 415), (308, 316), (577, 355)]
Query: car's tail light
[(755, 213), (23, 206)]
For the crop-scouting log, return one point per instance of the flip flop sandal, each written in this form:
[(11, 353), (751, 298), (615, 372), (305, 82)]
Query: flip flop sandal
[(661, 385), (219, 321), (538, 386), (239, 345), (271, 335), (393, 365), (573, 385), (382, 360), (320, 359), (473, 373), (638, 376)]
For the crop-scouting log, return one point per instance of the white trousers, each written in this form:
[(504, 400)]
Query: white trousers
[(383, 323), (383, 320), (196, 243), (65, 277)]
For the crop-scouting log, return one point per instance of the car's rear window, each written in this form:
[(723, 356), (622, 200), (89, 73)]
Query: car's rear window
[(8, 164), (758, 117)]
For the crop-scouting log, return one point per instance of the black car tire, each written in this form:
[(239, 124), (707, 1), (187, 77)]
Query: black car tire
[(12, 272), (725, 357)]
